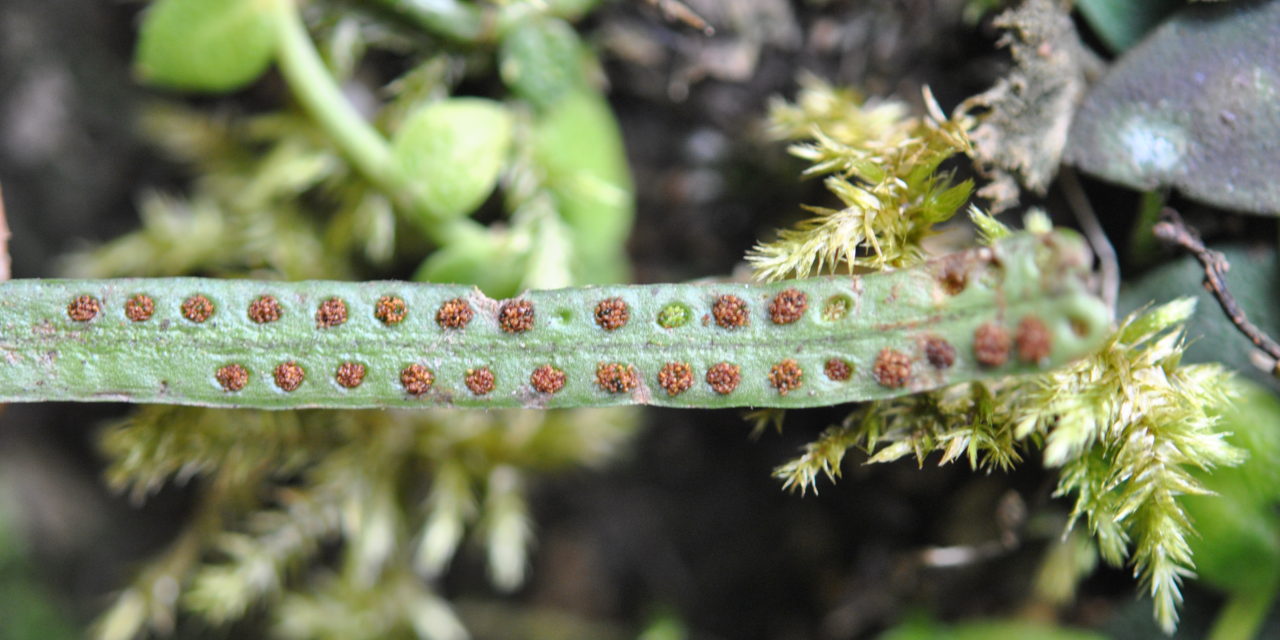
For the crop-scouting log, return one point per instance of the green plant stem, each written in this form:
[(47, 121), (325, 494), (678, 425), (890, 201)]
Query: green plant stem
[(1244, 613), (1143, 246), (367, 149)]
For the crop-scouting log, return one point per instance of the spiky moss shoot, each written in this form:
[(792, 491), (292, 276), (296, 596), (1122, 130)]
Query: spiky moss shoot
[(881, 164), (139, 308)]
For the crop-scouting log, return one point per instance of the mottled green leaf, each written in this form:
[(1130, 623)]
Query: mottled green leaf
[(1195, 106), (1121, 23), (579, 147), (542, 60), (452, 150), (206, 45), (1254, 279)]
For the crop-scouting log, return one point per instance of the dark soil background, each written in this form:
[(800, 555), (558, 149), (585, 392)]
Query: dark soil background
[(690, 524)]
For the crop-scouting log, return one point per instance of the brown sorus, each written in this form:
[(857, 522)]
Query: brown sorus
[(390, 310), (264, 309), (724, 377), (939, 352), (837, 369), (350, 374), (416, 379), (612, 313), (83, 308), (479, 381), (547, 379), (991, 344), (730, 312), (140, 307), (786, 376), (1033, 340), (232, 377), (454, 314), (954, 274), (788, 306), (197, 308), (892, 368), (289, 375), (616, 377), (516, 316), (676, 377), (332, 312)]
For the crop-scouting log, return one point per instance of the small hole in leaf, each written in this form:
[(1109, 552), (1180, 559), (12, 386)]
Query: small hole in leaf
[(673, 315), (836, 308)]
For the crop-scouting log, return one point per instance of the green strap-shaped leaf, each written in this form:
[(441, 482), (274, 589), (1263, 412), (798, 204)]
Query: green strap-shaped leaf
[(206, 45), (1018, 306)]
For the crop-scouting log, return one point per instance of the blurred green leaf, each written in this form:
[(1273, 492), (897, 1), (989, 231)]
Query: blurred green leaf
[(542, 61), (1121, 23), (206, 45), (1254, 279), (579, 147), (453, 150), (925, 629), (1239, 544)]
